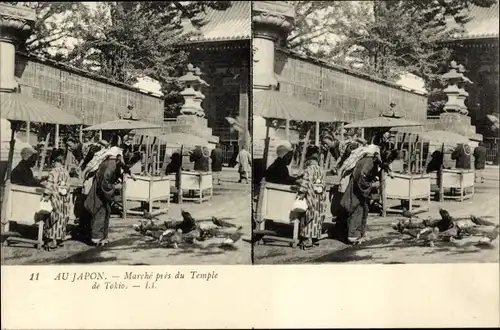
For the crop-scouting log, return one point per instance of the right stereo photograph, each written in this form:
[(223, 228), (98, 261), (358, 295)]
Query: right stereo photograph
[(375, 132)]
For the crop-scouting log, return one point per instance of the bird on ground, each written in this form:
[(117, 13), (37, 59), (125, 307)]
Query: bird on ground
[(446, 220), (481, 222), (431, 234), (236, 236), (188, 222), (171, 237), (192, 237), (493, 234), (222, 223)]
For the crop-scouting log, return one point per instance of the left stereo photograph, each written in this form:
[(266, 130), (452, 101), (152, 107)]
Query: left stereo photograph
[(125, 135)]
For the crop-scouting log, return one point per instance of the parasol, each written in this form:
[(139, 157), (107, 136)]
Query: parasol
[(121, 125), (383, 121), (444, 137), (273, 104), (19, 107)]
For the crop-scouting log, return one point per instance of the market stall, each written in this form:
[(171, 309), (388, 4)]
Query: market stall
[(145, 187), (18, 108), (449, 181), (275, 201), (198, 185), (405, 187)]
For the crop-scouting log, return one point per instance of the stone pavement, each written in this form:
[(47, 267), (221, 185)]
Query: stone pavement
[(231, 201), (387, 246)]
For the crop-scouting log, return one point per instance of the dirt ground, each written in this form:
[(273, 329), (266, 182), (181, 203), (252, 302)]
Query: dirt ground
[(231, 202), (386, 246)]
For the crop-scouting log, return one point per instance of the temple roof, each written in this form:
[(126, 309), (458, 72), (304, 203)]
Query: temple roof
[(233, 23), (483, 24)]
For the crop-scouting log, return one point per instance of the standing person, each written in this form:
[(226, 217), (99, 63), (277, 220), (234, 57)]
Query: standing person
[(99, 200), (354, 203), (57, 192), (201, 158), (312, 188), (480, 161), (216, 157), (462, 156), (244, 160)]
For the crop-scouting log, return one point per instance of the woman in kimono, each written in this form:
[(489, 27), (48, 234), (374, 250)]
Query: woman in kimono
[(57, 192), (99, 200), (312, 187), (354, 203)]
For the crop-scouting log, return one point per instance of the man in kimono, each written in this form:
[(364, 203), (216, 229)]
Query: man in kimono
[(244, 160), (99, 200), (22, 173), (462, 156), (201, 158)]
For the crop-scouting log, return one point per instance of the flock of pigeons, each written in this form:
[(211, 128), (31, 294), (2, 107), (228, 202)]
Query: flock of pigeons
[(447, 228), (188, 231)]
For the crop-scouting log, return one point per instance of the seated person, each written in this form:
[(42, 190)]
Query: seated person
[(200, 156), (435, 162), (278, 171), (462, 156), (22, 173)]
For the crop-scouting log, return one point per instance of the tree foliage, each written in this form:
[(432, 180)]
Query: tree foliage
[(386, 38), (123, 41)]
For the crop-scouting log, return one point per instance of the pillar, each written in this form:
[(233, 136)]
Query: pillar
[(56, 137), (271, 21), (15, 26)]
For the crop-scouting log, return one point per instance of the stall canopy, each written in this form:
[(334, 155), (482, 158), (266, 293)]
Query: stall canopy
[(183, 139), (446, 137), (382, 122), (20, 107), (277, 105), (121, 125)]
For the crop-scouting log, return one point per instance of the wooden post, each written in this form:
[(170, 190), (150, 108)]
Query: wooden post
[(266, 146), (304, 148), (100, 135), (441, 176), (124, 198), (6, 185), (287, 130), (28, 131), (342, 131), (421, 167), (80, 133), (316, 134), (383, 193), (56, 137), (44, 153), (179, 178)]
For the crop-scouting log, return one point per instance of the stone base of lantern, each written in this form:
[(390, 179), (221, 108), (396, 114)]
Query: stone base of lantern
[(193, 125), (454, 122)]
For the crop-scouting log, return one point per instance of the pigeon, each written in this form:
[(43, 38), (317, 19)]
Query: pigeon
[(172, 237), (446, 221), (188, 223), (236, 236), (192, 236), (222, 223), (493, 234), (431, 233), (481, 222)]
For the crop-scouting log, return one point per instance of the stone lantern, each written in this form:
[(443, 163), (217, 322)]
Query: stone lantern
[(192, 93), (455, 91)]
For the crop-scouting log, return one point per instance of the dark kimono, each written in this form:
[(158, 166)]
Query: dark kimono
[(461, 156), (201, 159), (480, 158), (216, 157), (353, 210), (313, 187), (23, 175), (278, 173), (98, 201)]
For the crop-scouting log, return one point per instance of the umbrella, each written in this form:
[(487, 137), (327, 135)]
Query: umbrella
[(444, 137), (382, 122), (20, 107), (121, 124), (183, 139), (273, 104)]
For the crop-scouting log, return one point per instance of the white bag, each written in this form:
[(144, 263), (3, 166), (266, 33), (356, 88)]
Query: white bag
[(300, 205), (46, 206)]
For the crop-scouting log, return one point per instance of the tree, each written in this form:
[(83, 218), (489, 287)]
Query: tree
[(54, 21), (389, 38)]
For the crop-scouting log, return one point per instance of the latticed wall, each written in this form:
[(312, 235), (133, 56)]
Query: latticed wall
[(90, 99), (350, 97)]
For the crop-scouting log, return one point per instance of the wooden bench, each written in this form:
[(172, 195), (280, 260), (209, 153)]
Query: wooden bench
[(408, 187), (149, 189), (457, 179), (199, 183)]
